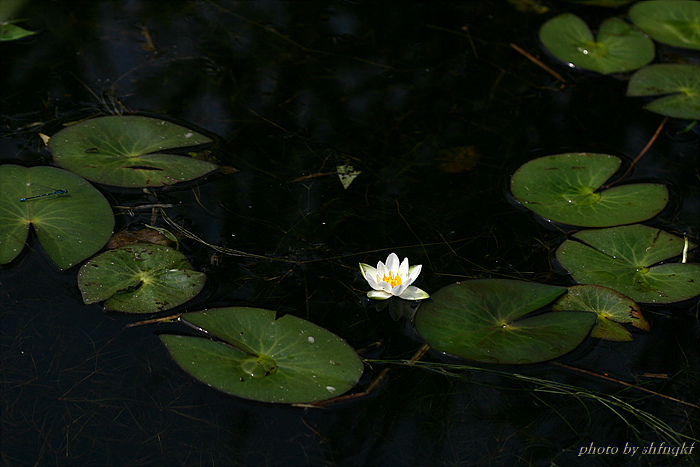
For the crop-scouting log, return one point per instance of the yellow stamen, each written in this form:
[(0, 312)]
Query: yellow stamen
[(392, 280)]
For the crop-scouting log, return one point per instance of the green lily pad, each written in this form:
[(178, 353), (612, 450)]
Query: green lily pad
[(680, 82), (675, 22), (612, 308), (484, 320), (347, 174), (624, 259), (140, 278), (71, 218), (11, 32), (619, 47), (288, 360), (120, 151), (566, 188)]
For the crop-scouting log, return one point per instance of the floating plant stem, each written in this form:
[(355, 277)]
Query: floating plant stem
[(553, 387)]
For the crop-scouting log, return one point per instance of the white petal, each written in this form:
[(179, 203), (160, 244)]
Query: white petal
[(403, 269), (378, 295), (367, 270), (413, 273), (398, 290), (412, 268), (372, 281), (414, 293), (382, 270), (392, 263), (383, 285)]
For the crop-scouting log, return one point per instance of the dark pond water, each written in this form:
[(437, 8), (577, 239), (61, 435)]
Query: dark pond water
[(291, 90)]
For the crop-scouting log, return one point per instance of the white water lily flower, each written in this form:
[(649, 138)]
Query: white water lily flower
[(393, 280)]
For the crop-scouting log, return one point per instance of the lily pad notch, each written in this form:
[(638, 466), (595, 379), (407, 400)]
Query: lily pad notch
[(139, 278), (673, 22), (129, 151), (677, 87), (489, 321), (287, 360), (70, 217), (633, 260), (611, 307), (619, 47), (567, 188)]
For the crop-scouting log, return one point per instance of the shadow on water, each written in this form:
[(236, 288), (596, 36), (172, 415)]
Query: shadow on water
[(435, 108)]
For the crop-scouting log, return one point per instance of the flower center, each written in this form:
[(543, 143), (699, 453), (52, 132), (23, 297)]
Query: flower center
[(393, 280)]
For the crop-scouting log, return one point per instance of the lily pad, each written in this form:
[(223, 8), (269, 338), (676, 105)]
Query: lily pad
[(288, 360), (11, 32), (347, 174), (484, 320), (71, 218), (619, 46), (674, 22), (612, 308), (681, 83), (632, 260), (121, 151), (140, 278), (566, 188)]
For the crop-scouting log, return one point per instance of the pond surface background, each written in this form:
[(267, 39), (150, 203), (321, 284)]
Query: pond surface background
[(291, 90)]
